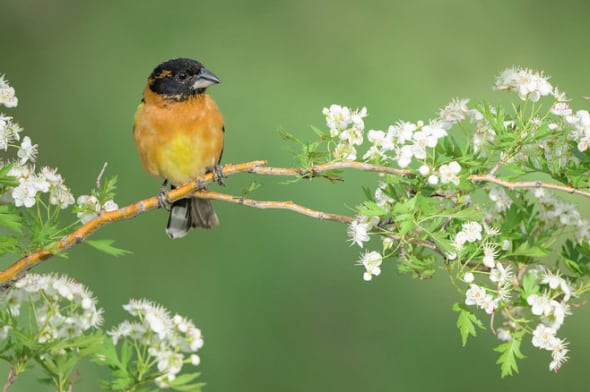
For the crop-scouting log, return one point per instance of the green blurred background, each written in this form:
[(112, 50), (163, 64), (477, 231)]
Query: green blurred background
[(278, 296)]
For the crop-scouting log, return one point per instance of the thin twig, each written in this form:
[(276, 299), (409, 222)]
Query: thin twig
[(278, 205), (10, 379), (296, 171), (100, 174), (527, 184)]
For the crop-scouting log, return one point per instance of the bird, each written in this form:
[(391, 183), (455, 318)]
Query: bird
[(179, 133)]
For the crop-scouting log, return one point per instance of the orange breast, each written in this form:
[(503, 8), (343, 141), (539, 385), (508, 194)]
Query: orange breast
[(178, 141)]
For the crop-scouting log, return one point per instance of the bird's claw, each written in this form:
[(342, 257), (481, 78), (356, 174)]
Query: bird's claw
[(163, 200), (218, 175), (201, 185)]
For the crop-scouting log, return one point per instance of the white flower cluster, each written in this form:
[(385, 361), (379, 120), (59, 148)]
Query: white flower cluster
[(580, 123), (483, 133), (447, 173), (30, 183), (405, 141), (551, 305), (48, 180), (167, 338), (470, 232), (62, 308), (7, 95), (501, 200), (9, 131), (372, 263), (499, 273), (89, 207), (530, 85), (402, 142), (477, 295), (358, 232), (347, 126), (559, 214)]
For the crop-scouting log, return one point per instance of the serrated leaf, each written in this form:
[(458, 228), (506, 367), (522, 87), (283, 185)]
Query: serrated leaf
[(529, 285), (368, 193), (370, 208), (107, 247), (576, 257), (8, 244), (183, 383), (525, 249), (466, 322), (323, 135), (443, 243), (250, 188), (419, 266), (289, 137), (510, 351), (5, 179), (10, 219)]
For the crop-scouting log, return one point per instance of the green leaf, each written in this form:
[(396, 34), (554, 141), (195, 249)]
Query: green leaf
[(529, 285), (8, 244), (10, 218), (43, 234), (526, 249), (250, 188), (418, 264), (122, 378), (323, 135), (466, 322), (5, 179), (184, 383), (107, 247), (109, 185), (370, 208), (509, 352), (576, 257), (442, 241), (289, 137)]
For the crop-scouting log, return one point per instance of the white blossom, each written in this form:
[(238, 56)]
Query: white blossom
[(529, 84), (544, 337), (448, 173), (27, 151), (358, 232), (372, 263)]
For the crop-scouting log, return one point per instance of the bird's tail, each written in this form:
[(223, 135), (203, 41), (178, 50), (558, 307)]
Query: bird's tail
[(188, 213)]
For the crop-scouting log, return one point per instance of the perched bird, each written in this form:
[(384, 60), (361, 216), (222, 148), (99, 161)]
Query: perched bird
[(178, 130)]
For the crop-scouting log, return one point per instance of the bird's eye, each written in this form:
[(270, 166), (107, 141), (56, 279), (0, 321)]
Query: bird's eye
[(181, 76)]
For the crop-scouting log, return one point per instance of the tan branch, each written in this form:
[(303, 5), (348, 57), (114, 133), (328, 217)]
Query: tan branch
[(308, 172), (527, 184), (278, 205), (10, 379), (18, 268), (289, 205)]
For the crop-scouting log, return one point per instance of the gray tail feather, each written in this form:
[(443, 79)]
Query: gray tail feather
[(188, 213)]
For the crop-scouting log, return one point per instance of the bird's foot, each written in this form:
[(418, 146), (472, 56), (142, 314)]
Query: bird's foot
[(218, 175), (163, 200)]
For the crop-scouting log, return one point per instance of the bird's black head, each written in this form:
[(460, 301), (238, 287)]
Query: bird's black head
[(181, 78)]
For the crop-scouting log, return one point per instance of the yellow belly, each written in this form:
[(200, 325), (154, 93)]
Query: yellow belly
[(183, 158), (181, 141)]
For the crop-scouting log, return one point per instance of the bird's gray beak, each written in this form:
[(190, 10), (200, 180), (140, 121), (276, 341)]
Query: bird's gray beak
[(205, 79)]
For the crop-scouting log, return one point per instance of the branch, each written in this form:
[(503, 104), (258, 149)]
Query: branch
[(278, 205), (10, 380), (527, 184), (20, 267)]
